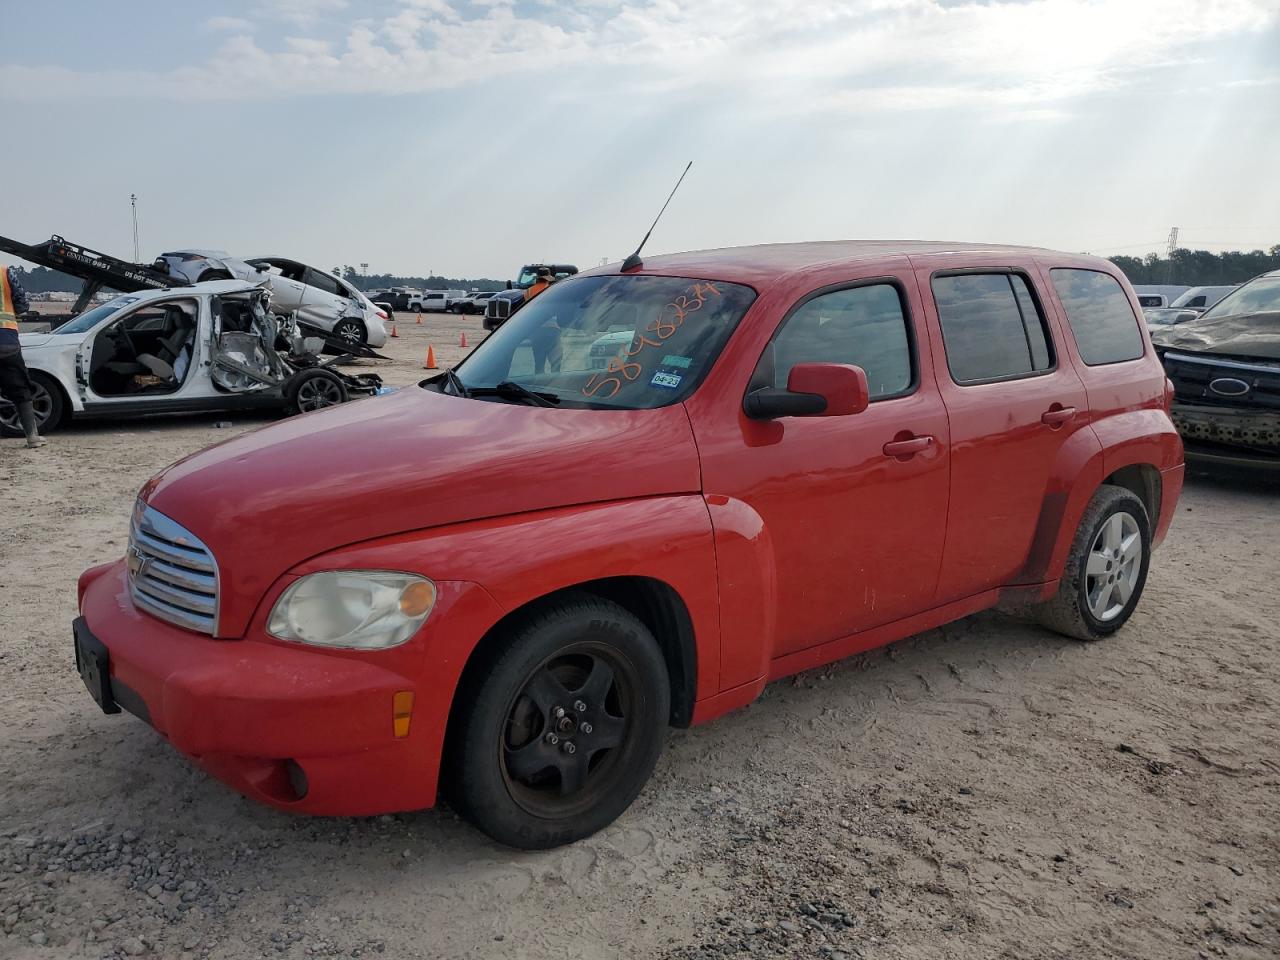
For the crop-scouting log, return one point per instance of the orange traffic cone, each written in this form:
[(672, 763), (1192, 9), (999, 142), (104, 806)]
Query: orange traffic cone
[(463, 342), (419, 318), (393, 331), (431, 359)]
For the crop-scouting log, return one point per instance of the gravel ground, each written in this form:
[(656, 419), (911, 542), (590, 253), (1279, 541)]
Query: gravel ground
[(984, 790)]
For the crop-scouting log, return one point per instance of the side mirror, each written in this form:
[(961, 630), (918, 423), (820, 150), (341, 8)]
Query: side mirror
[(813, 390)]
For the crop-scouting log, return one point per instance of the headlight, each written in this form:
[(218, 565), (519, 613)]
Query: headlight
[(362, 609)]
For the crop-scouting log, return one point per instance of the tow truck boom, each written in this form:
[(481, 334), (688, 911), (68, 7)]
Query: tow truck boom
[(97, 270)]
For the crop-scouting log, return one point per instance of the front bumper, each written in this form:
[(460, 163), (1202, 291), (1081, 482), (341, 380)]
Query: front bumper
[(295, 727), (1229, 437)]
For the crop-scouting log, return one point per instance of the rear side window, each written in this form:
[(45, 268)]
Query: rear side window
[(992, 327), (865, 326), (1101, 319)]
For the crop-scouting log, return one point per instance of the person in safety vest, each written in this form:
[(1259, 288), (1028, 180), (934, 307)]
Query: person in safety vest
[(15, 382)]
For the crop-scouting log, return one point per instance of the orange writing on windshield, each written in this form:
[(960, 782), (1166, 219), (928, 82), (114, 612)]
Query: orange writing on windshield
[(670, 318)]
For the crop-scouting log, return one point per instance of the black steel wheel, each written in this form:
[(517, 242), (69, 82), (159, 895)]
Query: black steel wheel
[(560, 730), (46, 403), (350, 331), (315, 389)]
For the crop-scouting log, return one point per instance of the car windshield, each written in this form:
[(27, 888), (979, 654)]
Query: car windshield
[(611, 342), (90, 318), (1257, 296)]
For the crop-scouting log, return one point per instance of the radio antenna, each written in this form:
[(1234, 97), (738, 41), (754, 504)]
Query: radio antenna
[(634, 260)]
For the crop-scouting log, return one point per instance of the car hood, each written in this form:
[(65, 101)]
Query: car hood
[(31, 341), (267, 500), (1244, 335)]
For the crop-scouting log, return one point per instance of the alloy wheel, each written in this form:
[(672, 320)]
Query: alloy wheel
[(41, 404), (1113, 566), (348, 331), (317, 393)]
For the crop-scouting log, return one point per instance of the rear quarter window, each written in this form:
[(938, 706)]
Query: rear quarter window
[(1099, 314)]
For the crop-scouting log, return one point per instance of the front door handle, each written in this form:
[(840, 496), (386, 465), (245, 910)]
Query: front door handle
[(1057, 415), (907, 448)]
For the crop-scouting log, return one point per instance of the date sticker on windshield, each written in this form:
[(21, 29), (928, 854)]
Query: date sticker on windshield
[(674, 361), (669, 380)]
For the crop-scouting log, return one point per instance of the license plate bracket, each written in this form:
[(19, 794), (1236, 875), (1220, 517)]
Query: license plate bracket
[(93, 663)]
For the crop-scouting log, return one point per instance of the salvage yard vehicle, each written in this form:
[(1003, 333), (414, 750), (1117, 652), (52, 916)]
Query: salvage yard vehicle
[(437, 301), (210, 346), (505, 302), (1186, 306), (318, 300), (471, 303), (1225, 368), (508, 582)]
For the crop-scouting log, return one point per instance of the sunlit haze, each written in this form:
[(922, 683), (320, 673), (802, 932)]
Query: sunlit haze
[(465, 138)]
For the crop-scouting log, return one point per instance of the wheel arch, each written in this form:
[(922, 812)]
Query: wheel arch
[(68, 406), (1143, 481), (654, 602)]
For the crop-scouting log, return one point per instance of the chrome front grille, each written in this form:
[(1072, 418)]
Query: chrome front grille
[(172, 575)]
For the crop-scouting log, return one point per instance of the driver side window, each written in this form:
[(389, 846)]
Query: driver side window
[(865, 326)]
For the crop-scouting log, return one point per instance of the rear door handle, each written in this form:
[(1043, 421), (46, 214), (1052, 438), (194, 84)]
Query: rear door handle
[(907, 448), (1056, 416)]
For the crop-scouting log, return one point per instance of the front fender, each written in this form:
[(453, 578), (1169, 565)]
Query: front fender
[(521, 558)]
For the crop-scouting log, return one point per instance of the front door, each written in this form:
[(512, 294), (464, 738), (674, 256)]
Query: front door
[(854, 508), (1013, 400), (149, 355)]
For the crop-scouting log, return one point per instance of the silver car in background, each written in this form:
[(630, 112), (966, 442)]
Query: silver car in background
[(318, 299)]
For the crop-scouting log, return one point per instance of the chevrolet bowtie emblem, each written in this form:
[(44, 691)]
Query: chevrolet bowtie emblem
[(137, 562)]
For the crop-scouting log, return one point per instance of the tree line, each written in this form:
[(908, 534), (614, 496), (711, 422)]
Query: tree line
[(1200, 268), (381, 281), (44, 280), (1193, 268)]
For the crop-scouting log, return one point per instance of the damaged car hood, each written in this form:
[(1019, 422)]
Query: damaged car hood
[(267, 500), (1245, 335)]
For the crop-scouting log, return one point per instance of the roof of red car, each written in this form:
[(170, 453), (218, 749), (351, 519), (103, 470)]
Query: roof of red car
[(763, 263)]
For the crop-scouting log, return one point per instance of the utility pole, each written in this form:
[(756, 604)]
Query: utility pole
[(1173, 246), (133, 202)]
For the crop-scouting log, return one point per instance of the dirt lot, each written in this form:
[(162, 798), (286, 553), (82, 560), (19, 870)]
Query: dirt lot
[(986, 790)]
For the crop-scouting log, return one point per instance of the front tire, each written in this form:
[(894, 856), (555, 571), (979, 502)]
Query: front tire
[(1106, 569), (560, 730), (46, 402)]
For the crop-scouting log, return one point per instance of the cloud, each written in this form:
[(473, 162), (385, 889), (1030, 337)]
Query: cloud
[(236, 24), (835, 56)]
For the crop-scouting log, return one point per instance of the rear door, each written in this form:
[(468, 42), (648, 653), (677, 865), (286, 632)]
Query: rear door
[(1013, 399)]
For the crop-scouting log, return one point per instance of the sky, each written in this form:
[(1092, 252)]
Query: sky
[(467, 137)]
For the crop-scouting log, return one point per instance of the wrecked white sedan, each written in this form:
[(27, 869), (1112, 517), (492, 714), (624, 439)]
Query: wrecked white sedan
[(320, 301), (211, 346)]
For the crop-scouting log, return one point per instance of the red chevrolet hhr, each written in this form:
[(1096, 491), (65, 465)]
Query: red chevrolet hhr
[(648, 494)]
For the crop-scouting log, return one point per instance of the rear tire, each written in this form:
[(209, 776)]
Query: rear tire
[(560, 729), (314, 389), (47, 401), (1106, 569), (351, 332)]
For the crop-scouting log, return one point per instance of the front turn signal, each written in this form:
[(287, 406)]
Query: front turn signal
[(401, 713)]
